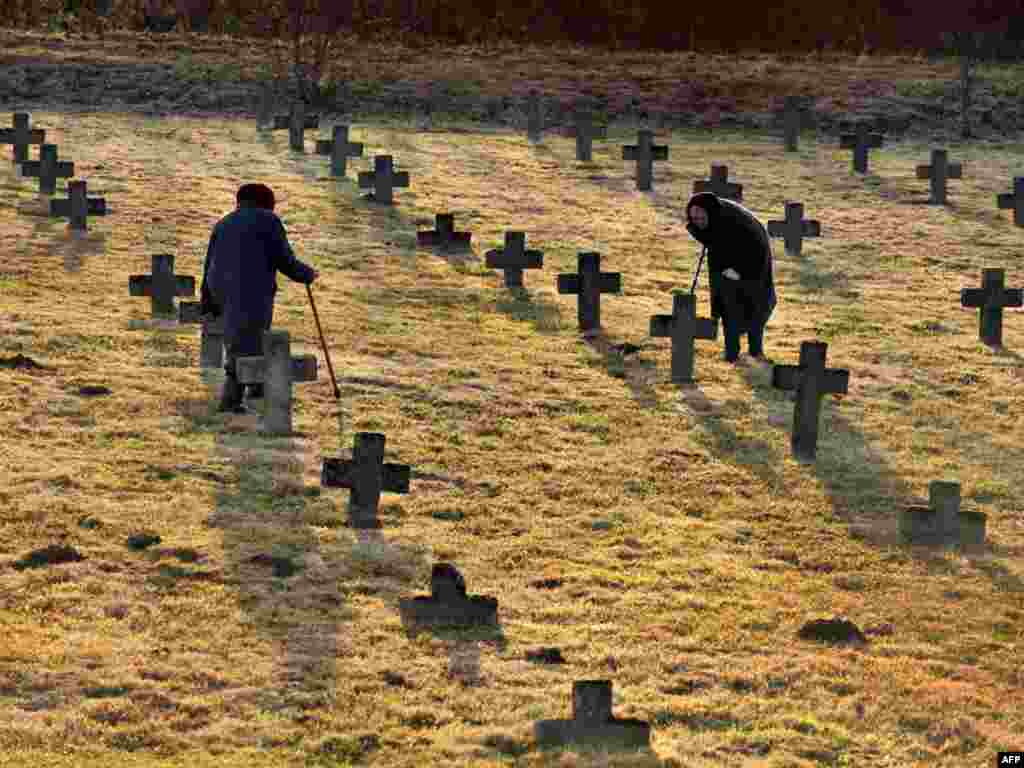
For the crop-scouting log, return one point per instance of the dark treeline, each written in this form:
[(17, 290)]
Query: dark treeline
[(996, 27)]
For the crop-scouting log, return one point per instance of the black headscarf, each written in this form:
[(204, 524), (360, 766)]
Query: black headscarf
[(256, 195), (712, 206)]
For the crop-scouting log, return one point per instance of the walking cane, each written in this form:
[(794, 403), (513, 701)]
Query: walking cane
[(330, 368), (697, 274)]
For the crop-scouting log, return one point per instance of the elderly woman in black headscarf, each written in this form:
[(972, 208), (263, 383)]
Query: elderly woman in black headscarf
[(739, 268)]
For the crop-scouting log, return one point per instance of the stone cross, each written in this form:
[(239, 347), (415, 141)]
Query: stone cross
[(943, 520), (534, 120), (683, 327), (47, 169), (810, 379), (940, 170), (990, 300), (276, 370), (382, 179), (444, 236), (163, 285), (585, 131), (21, 136), (592, 721), (297, 122), (366, 476), (645, 152), (792, 115), (339, 148), (720, 184), (589, 283), (1014, 200), (265, 110), (211, 339), (794, 228), (513, 258), (448, 604), (77, 206), (860, 141)]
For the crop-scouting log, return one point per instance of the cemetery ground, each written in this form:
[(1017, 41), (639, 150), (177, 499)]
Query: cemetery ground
[(658, 535)]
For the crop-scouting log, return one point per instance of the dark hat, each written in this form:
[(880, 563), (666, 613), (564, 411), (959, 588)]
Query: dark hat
[(255, 195)]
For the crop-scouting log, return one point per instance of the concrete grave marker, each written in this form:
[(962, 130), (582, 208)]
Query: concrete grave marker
[(444, 236), (585, 131), (276, 370), (1014, 200), (683, 327), (382, 179), (297, 122), (940, 170), (339, 148), (211, 339), (860, 141), (366, 475), (943, 521), (513, 259), (448, 604), (592, 721), (719, 184), (265, 109), (534, 118), (794, 228), (810, 379), (990, 300), (47, 169), (20, 136), (792, 117), (163, 285), (77, 206), (589, 283), (645, 152)]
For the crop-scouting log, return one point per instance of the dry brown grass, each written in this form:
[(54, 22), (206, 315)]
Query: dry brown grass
[(712, 546)]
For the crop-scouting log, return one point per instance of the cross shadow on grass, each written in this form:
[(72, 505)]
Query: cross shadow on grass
[(72, 245), (519, 304), (639, 374)]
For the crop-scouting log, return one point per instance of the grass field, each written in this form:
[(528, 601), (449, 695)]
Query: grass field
[(660, 536)]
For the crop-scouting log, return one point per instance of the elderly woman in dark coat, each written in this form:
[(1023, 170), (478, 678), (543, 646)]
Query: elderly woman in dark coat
[(739, 268), (247, 249)]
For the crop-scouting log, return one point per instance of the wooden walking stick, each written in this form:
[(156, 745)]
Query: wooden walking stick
[(330, 368)]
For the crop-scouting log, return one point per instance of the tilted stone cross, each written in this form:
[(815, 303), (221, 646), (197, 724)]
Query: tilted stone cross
[(47, 169), (683, 327), (211, 338), (592, 721), (585, 131), (77, 206), (382, 179), (810, 379), (645, 152), (339, 148), (860, 141), (589, 283), (990, 300), (794, 228), (448, 603), (534, 119), (297, 122), (366, 476), (163, 285), (514, 258), (940, 170), (943, 521), (276, 370), (444, 236), (1014, 200), (20, 136), (719, 184)]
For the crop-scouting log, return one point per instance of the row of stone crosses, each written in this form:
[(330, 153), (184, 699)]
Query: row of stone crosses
[(367, 475)]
